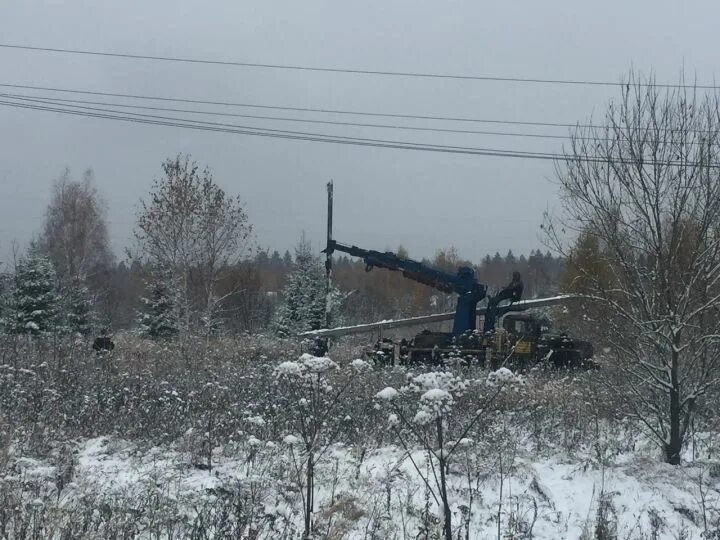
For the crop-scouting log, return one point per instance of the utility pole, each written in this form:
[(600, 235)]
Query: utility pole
[(328, 256)]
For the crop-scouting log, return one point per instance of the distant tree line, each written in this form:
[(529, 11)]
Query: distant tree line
[(195, 268)]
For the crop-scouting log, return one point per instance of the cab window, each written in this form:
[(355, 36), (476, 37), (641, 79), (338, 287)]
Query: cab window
[(518, 327)]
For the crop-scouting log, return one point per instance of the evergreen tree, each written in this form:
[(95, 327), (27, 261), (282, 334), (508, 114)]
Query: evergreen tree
[(510, 259), (262, 259), (6, 318), (275, 260), (159, 317), (34, 301), (78, 308), (304, 296)]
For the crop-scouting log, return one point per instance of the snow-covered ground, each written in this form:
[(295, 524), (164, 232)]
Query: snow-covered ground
[(380, 494)]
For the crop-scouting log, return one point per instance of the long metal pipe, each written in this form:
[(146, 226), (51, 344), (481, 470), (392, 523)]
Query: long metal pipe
[(426, 319)]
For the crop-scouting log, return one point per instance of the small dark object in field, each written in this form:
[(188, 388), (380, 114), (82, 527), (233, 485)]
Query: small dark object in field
[(103, 344), (320, 346)]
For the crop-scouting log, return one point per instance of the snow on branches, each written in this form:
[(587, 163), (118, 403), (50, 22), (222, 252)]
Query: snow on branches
[(387, 394), (307, 366), (503, 377)]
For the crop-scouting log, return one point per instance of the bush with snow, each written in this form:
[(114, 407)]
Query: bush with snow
[(308, 367), (438, 380), (291, 440), (360, 366), (289, 369), (434, 397), (312, 392), (387, 394), (317, 364), (503, 377), (436, 401)]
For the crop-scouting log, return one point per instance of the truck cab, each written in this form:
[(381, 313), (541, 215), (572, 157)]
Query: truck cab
[(526, 339)]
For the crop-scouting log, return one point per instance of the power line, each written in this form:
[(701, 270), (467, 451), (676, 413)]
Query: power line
[(58, 101), (312, 110), (317, 137), (294, 67), (299, 109), (254, 130)]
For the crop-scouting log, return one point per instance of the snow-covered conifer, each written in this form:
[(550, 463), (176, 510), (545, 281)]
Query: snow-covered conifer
[(78, 313), (304, 296), (159, 316), (34, 303), (6, 294)]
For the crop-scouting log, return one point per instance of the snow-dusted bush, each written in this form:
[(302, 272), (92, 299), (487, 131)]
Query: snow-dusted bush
[(434, 397), (318, 407)]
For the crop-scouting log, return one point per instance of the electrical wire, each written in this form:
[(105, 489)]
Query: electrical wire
[(314, 137), (297, 109), (294, 67), (55, 100), (61, 101), (254, 130), (565, 125)]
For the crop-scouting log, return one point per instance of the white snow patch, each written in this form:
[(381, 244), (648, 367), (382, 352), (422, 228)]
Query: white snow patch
[(256, 420), (360, 366), (388, 394), (254, 441), (436, 394), (288, 369), (291, 440), (503, 376), (317, 364)]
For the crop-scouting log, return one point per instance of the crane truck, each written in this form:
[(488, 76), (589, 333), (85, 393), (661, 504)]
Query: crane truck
[(520, 340)]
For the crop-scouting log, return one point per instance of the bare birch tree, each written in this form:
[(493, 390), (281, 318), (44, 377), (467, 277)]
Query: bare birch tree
[(645, 188), (192, 227), (74, 235)]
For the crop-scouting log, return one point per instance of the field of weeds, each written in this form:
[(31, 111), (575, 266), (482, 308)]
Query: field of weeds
[(252, 438)]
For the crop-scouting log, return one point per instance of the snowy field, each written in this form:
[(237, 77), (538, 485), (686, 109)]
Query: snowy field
[(375, 495), (220, 449)]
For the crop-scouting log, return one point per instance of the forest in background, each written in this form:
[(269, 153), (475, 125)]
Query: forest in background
[(238, 285)]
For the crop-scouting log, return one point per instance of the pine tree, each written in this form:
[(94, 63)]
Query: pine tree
[(78, 308), (35, 301), (159, 318), (6, 312), (304, 296)]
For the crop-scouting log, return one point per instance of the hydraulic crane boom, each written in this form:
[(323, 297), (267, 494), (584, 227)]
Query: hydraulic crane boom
[(463, 283)]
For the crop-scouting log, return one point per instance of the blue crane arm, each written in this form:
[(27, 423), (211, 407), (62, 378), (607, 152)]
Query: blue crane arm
[(462, 283)]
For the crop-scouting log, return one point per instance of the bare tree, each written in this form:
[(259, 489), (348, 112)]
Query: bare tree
[(645, 188), (74, 235), (191, 226)]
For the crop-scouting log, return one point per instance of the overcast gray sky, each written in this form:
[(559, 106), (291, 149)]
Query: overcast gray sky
[(424, 201)]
